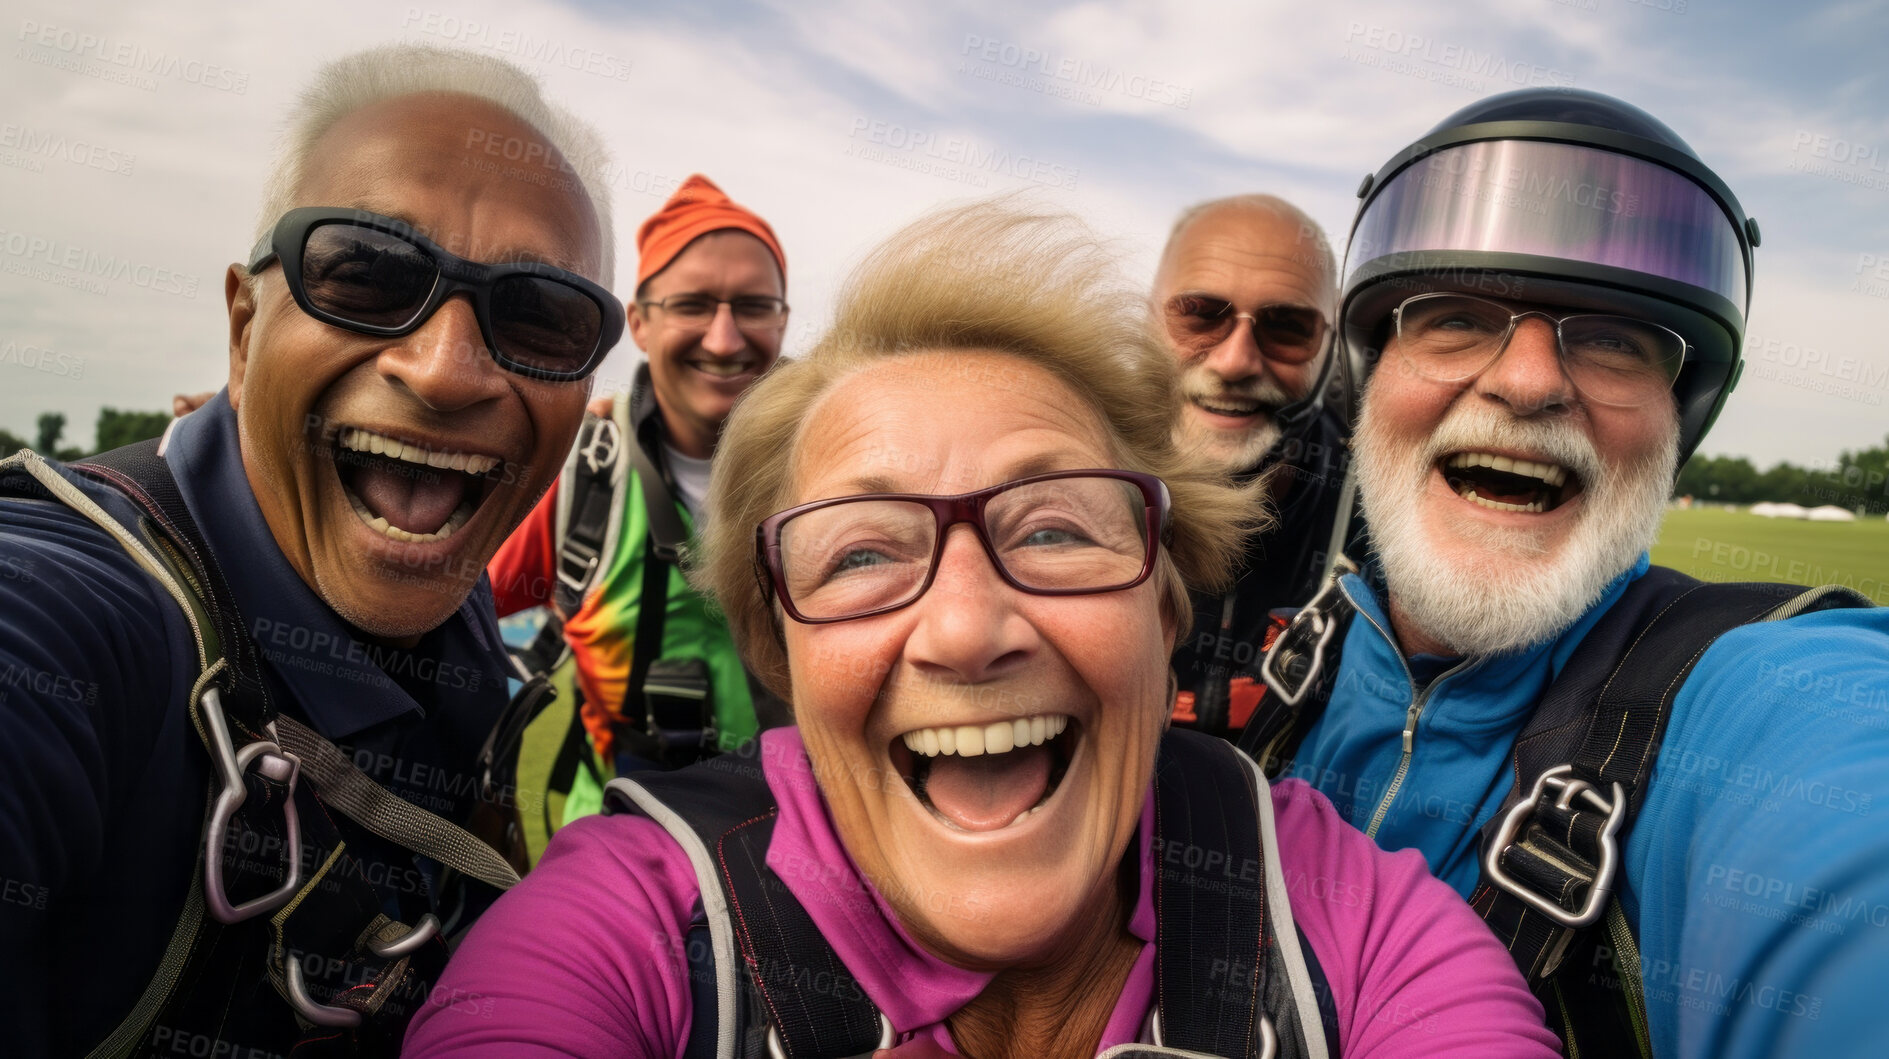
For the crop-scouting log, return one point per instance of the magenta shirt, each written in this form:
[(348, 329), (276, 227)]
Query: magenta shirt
[(585, 957)]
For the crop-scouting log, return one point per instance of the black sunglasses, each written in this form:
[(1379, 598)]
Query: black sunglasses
[(377, 276)]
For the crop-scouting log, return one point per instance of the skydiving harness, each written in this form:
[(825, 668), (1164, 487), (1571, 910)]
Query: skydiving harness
[(242, 936), (668, 710), (1234, 976), (1551, 856)]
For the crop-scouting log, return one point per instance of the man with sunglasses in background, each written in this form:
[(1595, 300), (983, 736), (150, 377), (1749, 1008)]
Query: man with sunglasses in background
[(1663, 796), (1244, 296), (254, 677), (657, 679)]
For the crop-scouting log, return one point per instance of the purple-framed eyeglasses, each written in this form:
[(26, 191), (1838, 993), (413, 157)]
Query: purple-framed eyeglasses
[(1066, 533)]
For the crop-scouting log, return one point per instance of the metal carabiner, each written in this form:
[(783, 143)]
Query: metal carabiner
[(409, 943), (231, 764), (311, 1009)]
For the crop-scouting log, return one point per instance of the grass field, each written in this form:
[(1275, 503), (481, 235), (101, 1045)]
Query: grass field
[(1715, 544)]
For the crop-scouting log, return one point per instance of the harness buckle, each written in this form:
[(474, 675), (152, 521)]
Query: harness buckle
[(1567, 787), (277, 765), (601, 449), (576, 562), (1307, 636), (1268, 1037)]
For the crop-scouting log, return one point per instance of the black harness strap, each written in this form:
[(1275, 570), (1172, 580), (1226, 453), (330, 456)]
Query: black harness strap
[(1582, 767), (232, 976), (1609, 706), (1220, 981), (1300, 670), (141, 475), (817, 1007), (1210, 897), (792, 980)]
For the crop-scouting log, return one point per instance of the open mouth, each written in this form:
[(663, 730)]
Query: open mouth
[(1506, 483), (1232, 407), (407, 492), (983, 777)]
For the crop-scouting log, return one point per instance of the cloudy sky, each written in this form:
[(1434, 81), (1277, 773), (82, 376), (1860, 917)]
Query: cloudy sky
[(140, 134)]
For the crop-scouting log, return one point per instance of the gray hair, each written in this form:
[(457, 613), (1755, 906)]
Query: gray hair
[(365, 78)]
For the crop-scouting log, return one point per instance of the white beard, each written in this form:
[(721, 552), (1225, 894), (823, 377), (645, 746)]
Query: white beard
[(1231, 455), (1512, 589)]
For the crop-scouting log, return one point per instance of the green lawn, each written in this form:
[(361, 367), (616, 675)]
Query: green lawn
[(1715, 544)]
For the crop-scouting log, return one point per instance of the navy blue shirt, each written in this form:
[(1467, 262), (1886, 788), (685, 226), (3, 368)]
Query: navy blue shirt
[(103, 778)]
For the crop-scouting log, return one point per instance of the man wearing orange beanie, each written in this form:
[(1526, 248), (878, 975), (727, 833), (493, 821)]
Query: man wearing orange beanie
[(656, 671)]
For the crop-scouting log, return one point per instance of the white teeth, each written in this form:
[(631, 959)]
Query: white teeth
[(359, 440), (1469, 494), (971, 740), (999, 738), (1549, 473)]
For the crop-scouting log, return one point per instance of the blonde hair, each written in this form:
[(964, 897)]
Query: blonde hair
[(989, 277), (365, 78)]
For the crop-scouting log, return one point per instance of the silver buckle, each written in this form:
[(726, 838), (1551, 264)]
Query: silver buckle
[(278, 765), (1313, 614), (1567, 787), (1268, 1037), (581, 556), (778, 1050)]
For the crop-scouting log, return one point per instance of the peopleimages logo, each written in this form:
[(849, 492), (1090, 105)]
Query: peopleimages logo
[(40, 143), (956, 151), (129, 58), (81, 264), (1451, 63), (1064, 76), (517, 44)]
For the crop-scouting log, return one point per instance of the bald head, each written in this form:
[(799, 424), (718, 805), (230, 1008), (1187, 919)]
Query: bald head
[(1266, 226), (1245, 295)]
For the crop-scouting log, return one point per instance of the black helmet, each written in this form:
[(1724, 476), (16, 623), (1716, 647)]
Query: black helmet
[(1565, 197)]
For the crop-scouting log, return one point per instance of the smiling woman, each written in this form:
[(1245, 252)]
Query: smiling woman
[(958, 537)]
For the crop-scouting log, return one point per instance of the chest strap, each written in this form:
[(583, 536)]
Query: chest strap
[(1234, 977), (1583, 760), (223, 954)]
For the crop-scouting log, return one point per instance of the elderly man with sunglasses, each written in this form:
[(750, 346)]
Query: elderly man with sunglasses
[(248, 740), (1244, 296), (656, 676)]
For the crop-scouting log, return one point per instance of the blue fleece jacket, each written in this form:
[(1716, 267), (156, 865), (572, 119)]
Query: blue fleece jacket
[(1757, 873)]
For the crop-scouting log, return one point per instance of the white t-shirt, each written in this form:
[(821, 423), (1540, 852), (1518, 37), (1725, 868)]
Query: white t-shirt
[(691, 477)]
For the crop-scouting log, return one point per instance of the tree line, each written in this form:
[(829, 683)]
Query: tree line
[(115, 428), (1855, 480)]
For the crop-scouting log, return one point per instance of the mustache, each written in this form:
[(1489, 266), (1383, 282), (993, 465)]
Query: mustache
[(1197, 383), (1478, 427)]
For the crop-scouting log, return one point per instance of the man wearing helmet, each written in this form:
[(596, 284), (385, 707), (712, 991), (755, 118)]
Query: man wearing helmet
[(1620, 768)]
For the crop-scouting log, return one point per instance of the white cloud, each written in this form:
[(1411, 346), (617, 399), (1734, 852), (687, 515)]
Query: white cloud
[(841, 120)]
